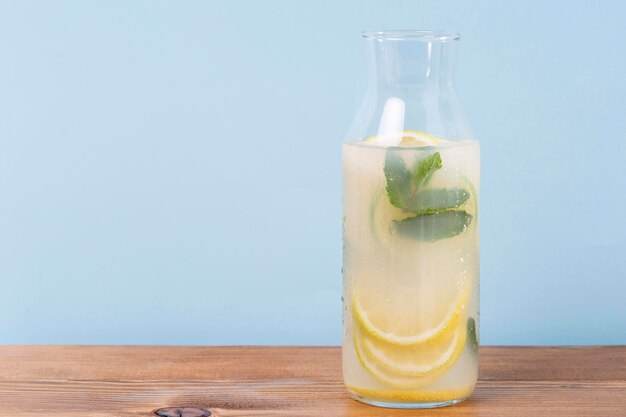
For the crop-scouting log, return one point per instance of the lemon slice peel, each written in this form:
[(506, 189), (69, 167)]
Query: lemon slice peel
[(401, 381), (431, 335), (448, 357)]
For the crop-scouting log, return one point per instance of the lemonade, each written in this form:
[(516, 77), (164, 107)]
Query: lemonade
[(411, 266)]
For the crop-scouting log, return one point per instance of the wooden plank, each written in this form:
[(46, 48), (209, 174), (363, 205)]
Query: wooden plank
[(588, 363), (550, 363), (167, 362), (293, 398), (300, 381)]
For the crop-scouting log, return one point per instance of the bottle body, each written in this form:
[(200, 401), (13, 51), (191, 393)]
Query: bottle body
[(411, 252)]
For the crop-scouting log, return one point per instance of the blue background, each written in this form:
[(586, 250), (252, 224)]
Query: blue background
[(170, 171)]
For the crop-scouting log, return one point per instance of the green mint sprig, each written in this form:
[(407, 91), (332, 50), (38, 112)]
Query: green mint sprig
[(472, 335), (434, 213)]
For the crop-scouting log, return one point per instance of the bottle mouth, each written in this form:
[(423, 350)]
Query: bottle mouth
[(412, 35)]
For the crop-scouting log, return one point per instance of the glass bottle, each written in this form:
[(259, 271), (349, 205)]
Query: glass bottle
[(411, 245)]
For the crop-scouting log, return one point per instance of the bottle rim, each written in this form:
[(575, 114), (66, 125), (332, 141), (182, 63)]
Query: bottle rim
[(412, 35)]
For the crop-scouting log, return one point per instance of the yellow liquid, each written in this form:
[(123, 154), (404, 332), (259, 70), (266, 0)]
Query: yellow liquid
[(409, 300)]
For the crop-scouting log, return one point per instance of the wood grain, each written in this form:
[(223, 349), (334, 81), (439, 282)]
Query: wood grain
[(134, 381)]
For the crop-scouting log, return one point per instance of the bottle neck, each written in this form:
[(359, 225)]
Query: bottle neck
[(411, 88), (405, 67)]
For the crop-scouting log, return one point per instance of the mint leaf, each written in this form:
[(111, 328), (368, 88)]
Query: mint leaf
[(472, 335), (437, 199), (426, 168), (434, 225), (398, 180)]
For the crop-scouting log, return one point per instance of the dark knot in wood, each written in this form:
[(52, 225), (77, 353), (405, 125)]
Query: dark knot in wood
[(182, 412)]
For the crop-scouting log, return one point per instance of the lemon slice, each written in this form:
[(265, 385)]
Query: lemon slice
[(398, 380), (408, 328), (410, 138), (416, 361), (382, 218), (416, 138)]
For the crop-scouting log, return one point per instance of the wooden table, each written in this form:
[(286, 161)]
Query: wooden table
[(73, 381)]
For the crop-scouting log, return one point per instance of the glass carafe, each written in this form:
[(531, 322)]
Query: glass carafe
[(411, 245)]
